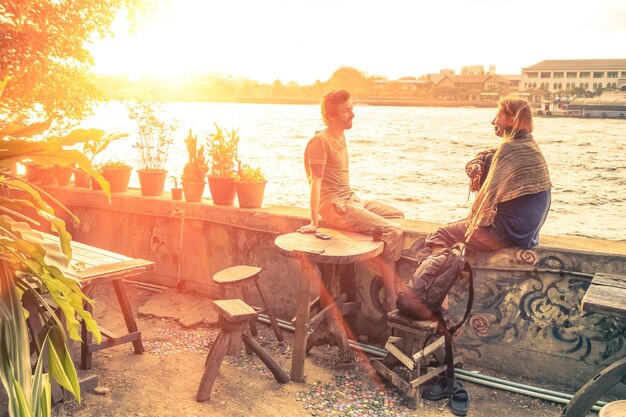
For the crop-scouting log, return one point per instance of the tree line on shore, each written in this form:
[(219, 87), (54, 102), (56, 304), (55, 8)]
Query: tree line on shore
[(215, 88)]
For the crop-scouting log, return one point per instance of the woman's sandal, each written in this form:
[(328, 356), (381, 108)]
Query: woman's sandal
[(459, 401), (438, 388)]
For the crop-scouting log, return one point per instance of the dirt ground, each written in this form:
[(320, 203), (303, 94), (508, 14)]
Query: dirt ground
[(164, 380)]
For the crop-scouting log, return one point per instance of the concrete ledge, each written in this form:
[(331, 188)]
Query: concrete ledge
[(526, 318)]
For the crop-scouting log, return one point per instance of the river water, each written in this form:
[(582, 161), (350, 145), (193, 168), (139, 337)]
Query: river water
[(411, 157)]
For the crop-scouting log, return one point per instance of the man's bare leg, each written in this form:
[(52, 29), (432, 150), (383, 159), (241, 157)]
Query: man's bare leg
[(388, 270)]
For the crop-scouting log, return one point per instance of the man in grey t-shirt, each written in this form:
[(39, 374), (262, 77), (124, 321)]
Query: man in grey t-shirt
[(326, 166)]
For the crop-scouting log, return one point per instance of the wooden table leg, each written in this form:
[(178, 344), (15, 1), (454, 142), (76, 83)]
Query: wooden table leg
[(127, 311), (307, 271), (331, 290), (85, 353), (586, 397)]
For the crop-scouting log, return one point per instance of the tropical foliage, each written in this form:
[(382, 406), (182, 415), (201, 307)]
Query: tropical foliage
[(222, 148), (45, 53), (155, 135), (30, 266)]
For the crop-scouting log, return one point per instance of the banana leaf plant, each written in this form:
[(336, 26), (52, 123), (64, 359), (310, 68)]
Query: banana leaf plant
[(31, 266)]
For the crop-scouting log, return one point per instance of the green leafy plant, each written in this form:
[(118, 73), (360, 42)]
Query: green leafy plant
[(222, 150), (195, 169), (155, 135), (30, 267), (246, 173)]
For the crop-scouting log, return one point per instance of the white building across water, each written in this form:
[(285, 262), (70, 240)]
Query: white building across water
[(567, 74)]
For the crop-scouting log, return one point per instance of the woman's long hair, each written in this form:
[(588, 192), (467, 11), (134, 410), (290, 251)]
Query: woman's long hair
[(519, 110)]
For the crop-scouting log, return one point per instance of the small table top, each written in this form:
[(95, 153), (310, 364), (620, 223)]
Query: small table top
[(93, 264), (606, 295), (343, 247)]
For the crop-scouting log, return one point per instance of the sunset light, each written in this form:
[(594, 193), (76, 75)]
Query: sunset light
[(331, 208), (304, 41)]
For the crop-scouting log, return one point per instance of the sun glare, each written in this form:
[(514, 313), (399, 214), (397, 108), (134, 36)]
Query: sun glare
[(282, 40)]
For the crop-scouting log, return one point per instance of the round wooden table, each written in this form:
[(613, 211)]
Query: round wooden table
[(331, 257)]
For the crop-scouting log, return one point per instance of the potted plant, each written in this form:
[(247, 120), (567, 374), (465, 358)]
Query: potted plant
[(117, 174), (177, 193), (32, 171), (63, 174), (222, 149), (250, 184), (155, 138), (92, 147), (46, 175), (195, 170)]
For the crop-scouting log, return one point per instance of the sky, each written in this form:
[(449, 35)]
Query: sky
[(307, 40)]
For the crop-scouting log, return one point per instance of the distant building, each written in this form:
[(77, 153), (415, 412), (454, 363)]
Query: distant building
[(473, 70), (436, 77), (567, 74), (479, 82), (513, 80), (406, 83)]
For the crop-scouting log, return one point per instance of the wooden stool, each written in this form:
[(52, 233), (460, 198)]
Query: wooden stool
[(406, 348), (239, 276), (234, 314)]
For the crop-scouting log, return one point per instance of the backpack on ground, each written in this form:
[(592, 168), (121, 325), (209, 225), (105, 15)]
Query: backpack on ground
[(426, 291)]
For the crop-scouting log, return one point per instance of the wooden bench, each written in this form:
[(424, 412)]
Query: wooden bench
[(410, 345), (234, 316)]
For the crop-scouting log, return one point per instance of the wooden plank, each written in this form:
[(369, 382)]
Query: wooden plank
[(408, 362), (127, 312), (108, 343), (419, 381), (103, 273), (605, 300), (235, 310), (610, 280), (422, 353), (392, 377)]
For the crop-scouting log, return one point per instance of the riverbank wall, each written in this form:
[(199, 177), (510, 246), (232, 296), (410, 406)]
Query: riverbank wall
[(526, 319)]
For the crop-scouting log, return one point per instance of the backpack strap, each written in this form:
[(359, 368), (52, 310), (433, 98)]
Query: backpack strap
[(448, 333), (470, 299)]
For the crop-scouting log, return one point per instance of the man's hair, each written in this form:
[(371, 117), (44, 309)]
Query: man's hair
[(330, 102), (519, 110)]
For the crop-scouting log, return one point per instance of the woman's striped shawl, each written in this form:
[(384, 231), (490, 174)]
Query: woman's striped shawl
[(518, 168)]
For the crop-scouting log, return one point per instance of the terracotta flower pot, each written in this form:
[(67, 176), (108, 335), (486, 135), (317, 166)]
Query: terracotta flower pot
[(222, 190), (250, 194), (46, 175), (152, 181), (193, 191), (177, 194), (118, 178), (81, 179), (63, 175), (95, 185), (32, 172)]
